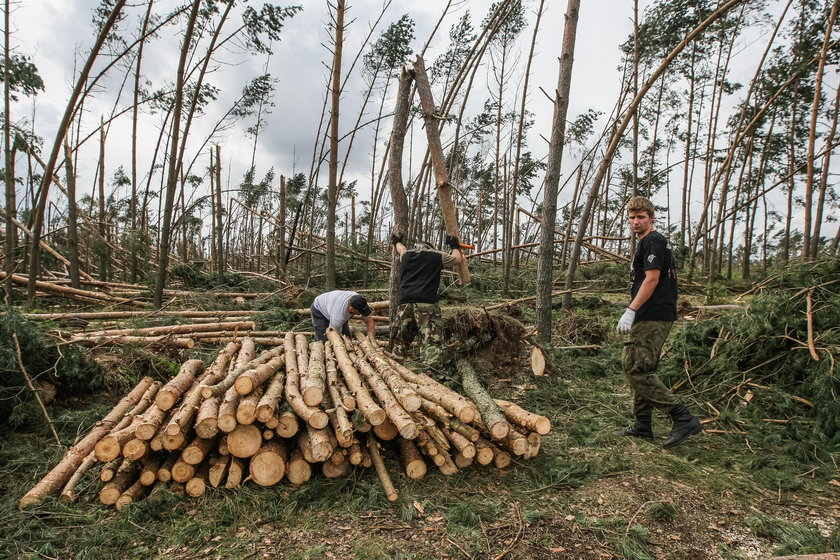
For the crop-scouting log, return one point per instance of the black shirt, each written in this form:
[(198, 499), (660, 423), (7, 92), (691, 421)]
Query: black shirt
[(420, 276), (653, 252)]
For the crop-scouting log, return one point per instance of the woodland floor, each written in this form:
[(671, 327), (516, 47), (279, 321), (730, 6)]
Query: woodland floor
[(588, 494)]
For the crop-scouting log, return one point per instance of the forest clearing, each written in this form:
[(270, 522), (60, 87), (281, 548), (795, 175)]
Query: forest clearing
[(278, 280)]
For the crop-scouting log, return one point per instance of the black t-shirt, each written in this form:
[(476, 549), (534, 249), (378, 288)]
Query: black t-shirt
[(653, 252), (420, 276)]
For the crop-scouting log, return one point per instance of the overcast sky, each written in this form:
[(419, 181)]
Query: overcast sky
[(52, 32)]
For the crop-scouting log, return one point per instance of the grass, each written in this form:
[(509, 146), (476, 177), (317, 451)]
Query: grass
[(588, 494)]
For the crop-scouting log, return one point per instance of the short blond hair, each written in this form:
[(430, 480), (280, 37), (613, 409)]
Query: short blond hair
[(641, 204)]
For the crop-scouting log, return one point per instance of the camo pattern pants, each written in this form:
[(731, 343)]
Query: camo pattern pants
[(425, 320), (641, 358)]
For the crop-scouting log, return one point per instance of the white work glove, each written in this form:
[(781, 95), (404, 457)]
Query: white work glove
[(626, 321)]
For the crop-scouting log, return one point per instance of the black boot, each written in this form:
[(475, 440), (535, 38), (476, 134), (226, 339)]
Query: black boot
[(641, 429), (684, 425)]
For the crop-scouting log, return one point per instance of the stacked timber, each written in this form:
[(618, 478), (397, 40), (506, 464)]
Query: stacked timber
[(290, 412)]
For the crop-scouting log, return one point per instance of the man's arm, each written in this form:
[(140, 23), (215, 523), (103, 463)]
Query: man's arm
[(646, 289), (458, 255), (371, 328), (400, 248)]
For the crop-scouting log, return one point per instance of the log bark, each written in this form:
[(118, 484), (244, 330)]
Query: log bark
[(207, 419), (125, 477), (246, 412), (314, 417), (335, 386), (517, 415), (268, 465), (404, 393), (299, 469), (319, 443), (447, 207), (164, 473), (396, 413), (491, 415), (235, 471), (197, 450), (171, 393), (133, 493), (253, 378), (312, 383), (227, 410), (381, 471), (61, 473), (197, 485), (168, 330), (267, 407), (439, 394), (372, 411), (415, 466), (244, 362), (68, 493), (218, 470)]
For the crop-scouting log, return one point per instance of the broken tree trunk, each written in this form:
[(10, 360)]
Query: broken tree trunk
[(447, 207)]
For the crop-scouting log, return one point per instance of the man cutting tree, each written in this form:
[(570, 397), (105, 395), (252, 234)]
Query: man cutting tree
[(418, 311)]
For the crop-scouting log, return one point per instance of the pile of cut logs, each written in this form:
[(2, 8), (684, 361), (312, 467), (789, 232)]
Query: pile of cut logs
[(296, 407)]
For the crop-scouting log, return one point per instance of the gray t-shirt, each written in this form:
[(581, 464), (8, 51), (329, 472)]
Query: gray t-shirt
[(333, 305)]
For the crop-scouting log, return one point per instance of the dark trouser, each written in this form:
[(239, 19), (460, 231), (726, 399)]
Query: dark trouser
[(641, 358), (320, 324)]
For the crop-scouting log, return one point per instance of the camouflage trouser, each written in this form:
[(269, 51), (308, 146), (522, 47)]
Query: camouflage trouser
[(641, 358), (422, 319)]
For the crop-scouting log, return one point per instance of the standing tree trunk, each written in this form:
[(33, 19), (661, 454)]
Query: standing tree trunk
[(447, 208), (104, 257), (809, 249), (220, 234), (9, 179), (134, 120), (332, 187), (49, 169), (72, 219), (545, 263), (172, 179), (398, 196)]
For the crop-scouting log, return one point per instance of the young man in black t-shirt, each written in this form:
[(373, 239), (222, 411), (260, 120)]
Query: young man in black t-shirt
[(648, 320), (418, 309)]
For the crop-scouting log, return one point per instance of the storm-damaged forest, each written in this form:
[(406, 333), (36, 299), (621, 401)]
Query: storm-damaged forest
[(183, 177)]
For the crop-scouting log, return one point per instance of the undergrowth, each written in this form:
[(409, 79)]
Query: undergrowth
[(588, 494)]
